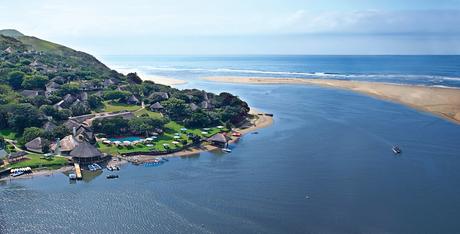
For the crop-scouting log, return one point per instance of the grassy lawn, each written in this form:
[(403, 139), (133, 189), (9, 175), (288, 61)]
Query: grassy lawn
[(150, 113), (171, 129), (8, 134), (37, 160), (114, 107)]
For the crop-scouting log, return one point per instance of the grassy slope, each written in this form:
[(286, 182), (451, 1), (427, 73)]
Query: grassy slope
[(114, 107), (37, 160), (8, 134)]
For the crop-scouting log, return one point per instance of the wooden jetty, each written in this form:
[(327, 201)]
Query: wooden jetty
[(78, 171)]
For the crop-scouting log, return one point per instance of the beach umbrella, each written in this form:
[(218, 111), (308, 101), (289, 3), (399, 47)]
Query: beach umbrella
[(177, 134), (103, 139), (117, 142), (176, 137), (206, 129), (175, 142), (204, 133), (220, 127), (183, 129), (106, 142), (165, 144), (149, 139)]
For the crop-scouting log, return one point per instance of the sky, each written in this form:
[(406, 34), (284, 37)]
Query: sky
[(217, 27)]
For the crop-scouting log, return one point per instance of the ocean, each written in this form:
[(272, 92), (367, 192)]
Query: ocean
[(324, 166)]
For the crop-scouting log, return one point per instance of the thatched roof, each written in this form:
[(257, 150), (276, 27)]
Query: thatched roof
[(68, 143), (52, 85), (133, 100), (193, 106), (35, 144), (3, 154), (70, 124), (156, 106), (219, 137), (17, 155), (85, 150), (30, 93), (49, 126), (163, 95)]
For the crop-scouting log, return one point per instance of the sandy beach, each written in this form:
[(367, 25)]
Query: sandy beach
[(444, 102)]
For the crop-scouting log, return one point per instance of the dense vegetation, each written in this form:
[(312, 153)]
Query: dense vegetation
[(46, 83)]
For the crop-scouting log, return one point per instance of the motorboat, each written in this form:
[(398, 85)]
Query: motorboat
[(112, 176), (396, 149), (17, 173), (227, 150), (72, 176)]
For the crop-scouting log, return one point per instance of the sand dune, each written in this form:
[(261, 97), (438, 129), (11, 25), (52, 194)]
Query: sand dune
[(444, 102)]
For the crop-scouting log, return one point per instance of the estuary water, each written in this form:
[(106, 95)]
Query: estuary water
[(324, 166)]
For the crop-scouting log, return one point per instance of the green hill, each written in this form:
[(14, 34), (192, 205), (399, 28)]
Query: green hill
[(48, 57), (11, 33)]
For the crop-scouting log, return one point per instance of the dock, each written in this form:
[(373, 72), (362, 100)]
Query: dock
[(78, 171)]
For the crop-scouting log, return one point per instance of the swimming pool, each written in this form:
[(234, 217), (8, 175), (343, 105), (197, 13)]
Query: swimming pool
[(132, 138)]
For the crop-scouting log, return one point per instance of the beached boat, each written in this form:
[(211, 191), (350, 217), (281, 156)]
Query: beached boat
[(396, 149), (17, 173), (112, 176)]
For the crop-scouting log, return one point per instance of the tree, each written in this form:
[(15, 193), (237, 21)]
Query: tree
[(80, 109), (69, 89), (39, 101), (116, 94), (60, 132), (198, 119), (134, 78), (23, 116), (15, 79), (115, 126), (32, 133), (95, 102), (2, 142), (35, 82), (176, 109)]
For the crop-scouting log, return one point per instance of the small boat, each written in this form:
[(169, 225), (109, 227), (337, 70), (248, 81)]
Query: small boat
[(117, 168), (255, 133), (17, 173), (91, 168), (396, 149), (95, 165), (72, 176), (109, 168), (112, 176), (164, 159), (227, 150)]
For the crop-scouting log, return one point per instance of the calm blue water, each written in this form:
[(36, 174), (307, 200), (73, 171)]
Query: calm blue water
[(325, 166), (133, 138)]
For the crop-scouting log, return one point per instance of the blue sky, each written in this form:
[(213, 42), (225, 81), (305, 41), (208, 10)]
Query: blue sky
[(241, 27)]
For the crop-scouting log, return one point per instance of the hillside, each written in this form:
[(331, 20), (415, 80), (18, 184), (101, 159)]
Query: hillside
[(44, 84), (47, 58)]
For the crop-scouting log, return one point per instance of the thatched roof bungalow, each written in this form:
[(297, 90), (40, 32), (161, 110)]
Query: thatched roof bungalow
[(86, 153), (36, 145), (156, 107), (66, 145), (219, 139)]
